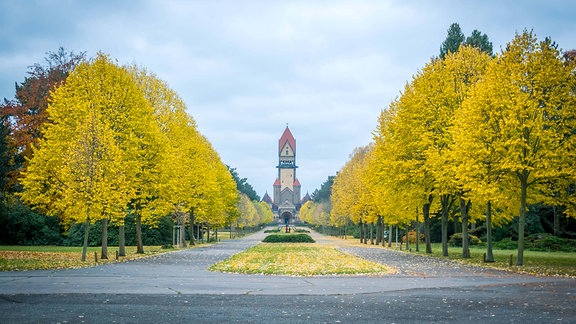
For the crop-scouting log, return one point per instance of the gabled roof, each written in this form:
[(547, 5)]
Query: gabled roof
[(305, 199), (277, 182), (287, 137), (267, 198), (296, 182)]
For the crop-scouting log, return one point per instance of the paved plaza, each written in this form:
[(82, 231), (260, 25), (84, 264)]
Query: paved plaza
[(177, 287)]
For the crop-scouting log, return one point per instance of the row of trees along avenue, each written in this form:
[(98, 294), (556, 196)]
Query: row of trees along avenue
[(111, 141), (481, 134)]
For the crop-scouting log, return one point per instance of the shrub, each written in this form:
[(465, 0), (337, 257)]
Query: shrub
[(505, 244), (301, 230), (292, 238), (549, 242), (456, 240), (412, 237), (272, 231)]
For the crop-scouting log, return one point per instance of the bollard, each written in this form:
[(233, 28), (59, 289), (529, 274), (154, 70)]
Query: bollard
[(117, 255), (511, 260), (484, 257), (96, 257)]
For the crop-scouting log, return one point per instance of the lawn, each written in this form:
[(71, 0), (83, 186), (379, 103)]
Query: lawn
[(539, 263), (14, 258), (298, 259)]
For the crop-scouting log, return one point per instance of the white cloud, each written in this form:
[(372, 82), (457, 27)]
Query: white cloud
[(247, 68)]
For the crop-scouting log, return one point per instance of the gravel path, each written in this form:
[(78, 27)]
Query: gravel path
[(409, 264)]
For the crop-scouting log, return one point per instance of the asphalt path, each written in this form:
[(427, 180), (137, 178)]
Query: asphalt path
[(176, 287)]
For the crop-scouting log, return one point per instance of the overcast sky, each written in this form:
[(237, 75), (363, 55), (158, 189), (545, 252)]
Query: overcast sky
[(247, 68)]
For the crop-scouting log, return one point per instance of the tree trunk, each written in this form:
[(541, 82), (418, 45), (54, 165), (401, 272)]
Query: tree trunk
[(208, 234), (138, 224), (397, 238), (426, 213), (446, 201), (191, 228), (104, 252), (379, 230), (390, 236), (121, 241), (407, 231), (522, 218), (465, 239), (556, 222), (417, 232), (361, 232), (489, 253), (86, 233), (371, 233), (200, 233), (182, 229)]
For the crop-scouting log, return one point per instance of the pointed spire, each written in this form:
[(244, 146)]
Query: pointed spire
[(287, 137)]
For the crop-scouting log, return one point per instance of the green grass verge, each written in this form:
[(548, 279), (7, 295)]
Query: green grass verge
[(298, 259), (539, 263), (17, 258)]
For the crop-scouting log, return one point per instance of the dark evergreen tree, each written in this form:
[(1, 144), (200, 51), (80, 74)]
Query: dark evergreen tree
[(480, 41), (323, 194), (456, 37), (243, 186), (453, 40)]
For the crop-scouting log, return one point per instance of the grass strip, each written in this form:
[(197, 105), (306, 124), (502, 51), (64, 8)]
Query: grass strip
[(535, 262), (298, 259), (18, 258)]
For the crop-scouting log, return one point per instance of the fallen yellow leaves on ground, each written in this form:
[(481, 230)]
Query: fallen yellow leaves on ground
[(299, 260), (35, 260)]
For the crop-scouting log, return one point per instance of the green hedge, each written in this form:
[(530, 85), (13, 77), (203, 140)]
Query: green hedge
[(293, 238), (505, 244), (456, 240), (548, 242), (539, 242)]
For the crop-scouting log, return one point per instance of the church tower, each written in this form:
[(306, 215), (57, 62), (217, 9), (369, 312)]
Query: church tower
[(286, 187)]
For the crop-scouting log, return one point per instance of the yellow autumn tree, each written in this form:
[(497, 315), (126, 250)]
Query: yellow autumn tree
[(305, 214), (192, 183), (88, 163), (396, 193), (264, 211), (248, 213), (413, 143), (350, 197), (399, 162), (454, 77), (167, 188), (389, 207), (526, 101)]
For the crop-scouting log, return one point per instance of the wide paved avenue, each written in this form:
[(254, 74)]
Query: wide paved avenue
[(177, 287)]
